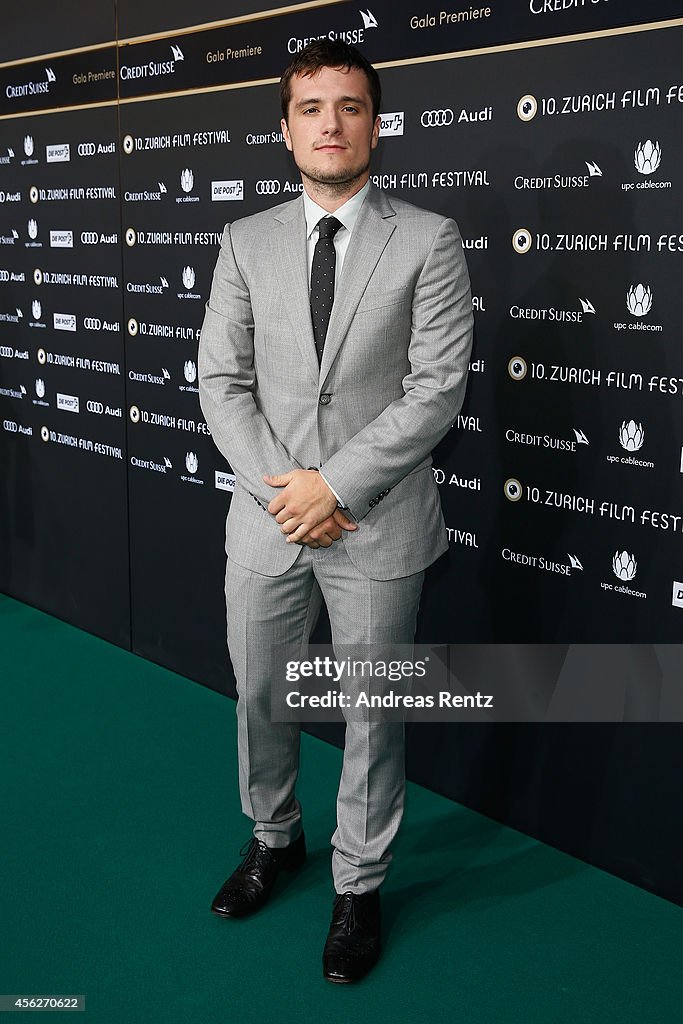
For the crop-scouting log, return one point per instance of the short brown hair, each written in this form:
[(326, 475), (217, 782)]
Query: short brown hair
[(329, 53)]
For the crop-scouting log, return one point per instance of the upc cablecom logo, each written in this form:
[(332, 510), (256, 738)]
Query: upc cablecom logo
[(639, 300), (647, 157), (631, 436), (624, 566)]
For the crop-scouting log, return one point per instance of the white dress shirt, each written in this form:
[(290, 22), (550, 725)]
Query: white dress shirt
[(347, 214)]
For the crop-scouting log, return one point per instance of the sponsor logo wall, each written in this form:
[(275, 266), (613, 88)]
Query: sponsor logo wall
[(562, 477)]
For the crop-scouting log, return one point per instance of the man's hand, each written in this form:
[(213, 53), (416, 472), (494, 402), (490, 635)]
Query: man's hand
[(324, 534), (303, 503)]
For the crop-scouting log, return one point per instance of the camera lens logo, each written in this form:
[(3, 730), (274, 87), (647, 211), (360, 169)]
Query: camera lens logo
[(191, 462), (134, 414), (128, 144), (512, 489), (624, 566), (41, 356), (188, 277), (45, 434), (521, 240), (517, 368), (28, 145), (40, 387), (33, 194), (37, 276), (527, 108), (186, 180), (190, 371), (132, 326), (639, 300), (131, 236), (32, 228), (647, 157), (437, 118), (36, 309), (631, 436)]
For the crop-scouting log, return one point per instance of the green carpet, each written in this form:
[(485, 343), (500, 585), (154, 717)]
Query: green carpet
[(121, 820)]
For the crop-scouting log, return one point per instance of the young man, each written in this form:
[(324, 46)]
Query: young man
[(333, 358)]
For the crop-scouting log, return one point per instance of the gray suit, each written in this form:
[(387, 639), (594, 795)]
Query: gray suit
[(391, 382)]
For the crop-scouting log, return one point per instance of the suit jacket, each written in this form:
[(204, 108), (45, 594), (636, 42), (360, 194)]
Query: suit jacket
[(390, 385)]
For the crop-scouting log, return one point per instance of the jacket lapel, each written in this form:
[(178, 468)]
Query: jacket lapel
[(372, 231), (291, 263)]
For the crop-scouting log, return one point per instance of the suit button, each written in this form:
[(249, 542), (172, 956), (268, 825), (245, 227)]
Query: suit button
[(325, 399)]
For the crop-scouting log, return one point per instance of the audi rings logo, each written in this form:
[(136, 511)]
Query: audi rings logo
[(89, 237), (95, 407), (268, 188), (87, 149), (92, 323), (436, 118)]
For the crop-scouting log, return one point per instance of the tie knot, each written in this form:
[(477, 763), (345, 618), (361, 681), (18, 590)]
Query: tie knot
[(328, 227)]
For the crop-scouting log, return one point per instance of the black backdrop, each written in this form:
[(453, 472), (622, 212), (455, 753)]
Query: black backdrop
[(561, 481)]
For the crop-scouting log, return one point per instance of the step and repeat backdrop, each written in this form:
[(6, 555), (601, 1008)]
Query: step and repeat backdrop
[(552, 138)]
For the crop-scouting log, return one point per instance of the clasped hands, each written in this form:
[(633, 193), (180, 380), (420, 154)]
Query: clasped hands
[(306, 509)]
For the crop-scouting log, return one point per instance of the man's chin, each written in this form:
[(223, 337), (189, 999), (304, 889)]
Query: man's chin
[(340, 177)]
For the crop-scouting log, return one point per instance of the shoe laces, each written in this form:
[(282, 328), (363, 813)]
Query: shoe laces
[(255, 850), (345, 911)]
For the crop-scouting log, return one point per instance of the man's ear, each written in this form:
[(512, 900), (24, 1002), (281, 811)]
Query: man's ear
[(375, 132), (285, 132)]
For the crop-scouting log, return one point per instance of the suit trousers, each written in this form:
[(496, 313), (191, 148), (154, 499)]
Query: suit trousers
[(263, 611)]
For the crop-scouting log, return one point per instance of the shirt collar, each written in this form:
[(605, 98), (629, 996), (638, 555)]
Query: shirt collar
[(346, 214)]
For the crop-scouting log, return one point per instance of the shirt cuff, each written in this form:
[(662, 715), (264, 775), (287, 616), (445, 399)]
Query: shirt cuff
[(340, 503)]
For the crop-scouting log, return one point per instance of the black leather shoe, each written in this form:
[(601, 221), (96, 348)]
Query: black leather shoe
[(249, 886), (353, 941)]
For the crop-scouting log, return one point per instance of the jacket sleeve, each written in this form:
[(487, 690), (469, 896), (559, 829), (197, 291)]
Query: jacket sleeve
[(378, 457), (226, 381)]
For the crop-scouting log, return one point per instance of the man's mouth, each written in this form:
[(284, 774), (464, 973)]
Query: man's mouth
[(330, 149)]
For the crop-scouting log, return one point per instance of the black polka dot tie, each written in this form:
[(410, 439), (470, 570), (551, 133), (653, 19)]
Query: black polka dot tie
[(322, 280)]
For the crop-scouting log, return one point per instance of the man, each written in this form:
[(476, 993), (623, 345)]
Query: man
[(333, 358)]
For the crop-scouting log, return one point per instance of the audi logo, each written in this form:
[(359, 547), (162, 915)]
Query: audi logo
[(89, 237), (92, 323), (436, 118), (11, 426), (267, 188), (6, 351), (86, 148), (95, 407), (4, 275)]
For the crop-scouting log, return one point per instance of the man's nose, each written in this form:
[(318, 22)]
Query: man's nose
[(332, 123)]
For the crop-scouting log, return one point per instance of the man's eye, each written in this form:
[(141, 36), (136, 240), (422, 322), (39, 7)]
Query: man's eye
[(310, 110), (354, 110)]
